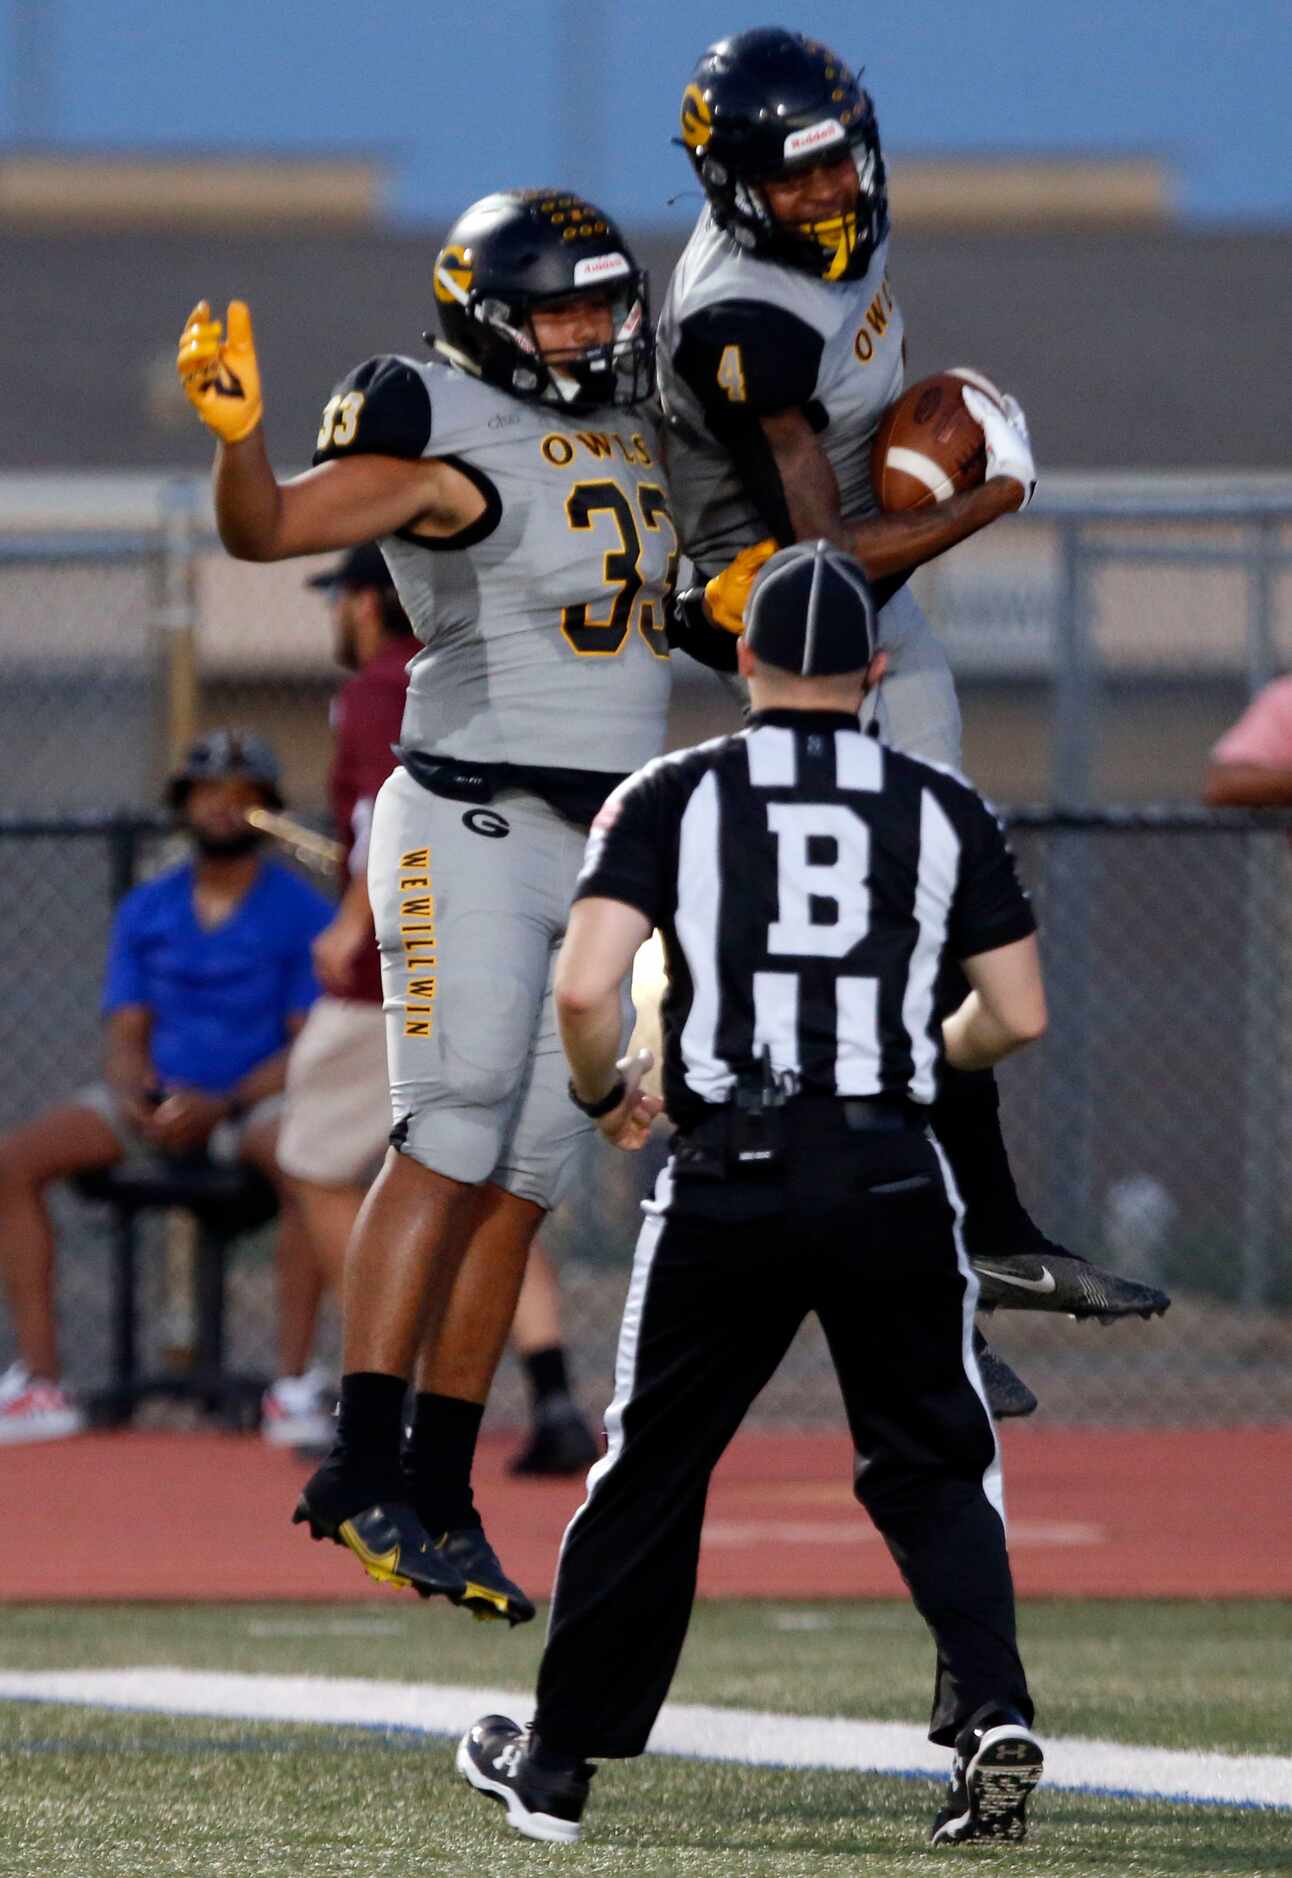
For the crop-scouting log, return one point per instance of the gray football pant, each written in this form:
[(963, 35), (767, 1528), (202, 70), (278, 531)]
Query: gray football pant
[(915, 708), (470, 904)]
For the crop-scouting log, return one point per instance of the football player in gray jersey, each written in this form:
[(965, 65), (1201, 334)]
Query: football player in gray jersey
[(515, 483), (780, 345)]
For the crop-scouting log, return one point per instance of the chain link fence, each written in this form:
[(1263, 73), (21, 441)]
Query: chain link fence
[(1101, 645)]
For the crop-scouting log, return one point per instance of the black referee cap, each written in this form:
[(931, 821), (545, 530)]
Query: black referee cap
[(364, 566), (811, 611)]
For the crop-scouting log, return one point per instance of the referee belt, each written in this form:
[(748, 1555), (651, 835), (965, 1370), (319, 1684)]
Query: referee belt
[(728, 1140), (858, 1114)]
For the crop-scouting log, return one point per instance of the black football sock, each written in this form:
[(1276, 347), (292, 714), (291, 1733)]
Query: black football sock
[(370, 1420), (547, 1374), (966, 1121), (439, 1458)]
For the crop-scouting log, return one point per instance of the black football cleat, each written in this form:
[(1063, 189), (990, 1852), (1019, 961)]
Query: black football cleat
[(494, 1757), (486, 1591), (1043, 1276), (1008, 1396), (560, 1441), (385, 1536), (998, 1761)]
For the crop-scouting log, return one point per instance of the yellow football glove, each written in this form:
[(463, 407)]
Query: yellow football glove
[(727, 594), (221, 377)]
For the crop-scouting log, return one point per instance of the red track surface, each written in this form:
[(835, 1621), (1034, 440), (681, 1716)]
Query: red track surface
[(1093, 1513)]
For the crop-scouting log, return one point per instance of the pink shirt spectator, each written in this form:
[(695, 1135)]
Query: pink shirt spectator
[(1263, 734)]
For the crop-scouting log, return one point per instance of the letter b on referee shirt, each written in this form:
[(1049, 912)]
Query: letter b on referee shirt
[(823, 855)]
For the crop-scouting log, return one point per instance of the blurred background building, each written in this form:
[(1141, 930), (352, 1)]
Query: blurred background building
[(1096, 213)]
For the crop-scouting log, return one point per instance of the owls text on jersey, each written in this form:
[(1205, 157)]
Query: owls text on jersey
[(543, 622), (807, 882), (741, 337)]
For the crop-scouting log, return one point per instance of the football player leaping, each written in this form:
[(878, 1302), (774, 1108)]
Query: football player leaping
[(517, 491), (780, 344)]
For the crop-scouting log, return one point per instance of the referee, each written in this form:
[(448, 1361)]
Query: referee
[(808, 883)]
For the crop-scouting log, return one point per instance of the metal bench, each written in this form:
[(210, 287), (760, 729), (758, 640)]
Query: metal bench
[(226, 1202)]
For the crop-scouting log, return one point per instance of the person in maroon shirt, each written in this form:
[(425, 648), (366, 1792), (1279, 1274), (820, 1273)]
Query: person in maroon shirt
[(337, 1124)]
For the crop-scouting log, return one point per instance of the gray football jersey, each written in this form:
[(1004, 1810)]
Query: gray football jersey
[(543, 623), (739, 337)]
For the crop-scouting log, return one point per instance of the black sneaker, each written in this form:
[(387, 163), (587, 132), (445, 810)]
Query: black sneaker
[(494, 1757), (1007, 1394), (998, 1761), (385, 1535), (1043, 1276), (486, 1591), (560, 1441)]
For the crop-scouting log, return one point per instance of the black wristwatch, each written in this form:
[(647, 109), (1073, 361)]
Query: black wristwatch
[(603, 1104)]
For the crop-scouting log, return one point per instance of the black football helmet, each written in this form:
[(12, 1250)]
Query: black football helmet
[(769, 104), (524, 248)]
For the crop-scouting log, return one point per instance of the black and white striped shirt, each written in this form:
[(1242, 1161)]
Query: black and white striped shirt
[(807, 882)]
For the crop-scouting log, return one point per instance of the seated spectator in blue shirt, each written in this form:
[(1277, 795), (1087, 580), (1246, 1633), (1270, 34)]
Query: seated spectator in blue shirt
[(208, 980)]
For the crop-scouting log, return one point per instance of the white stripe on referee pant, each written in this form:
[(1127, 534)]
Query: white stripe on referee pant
[(656, 1211), (993, 1480), (935, 887)]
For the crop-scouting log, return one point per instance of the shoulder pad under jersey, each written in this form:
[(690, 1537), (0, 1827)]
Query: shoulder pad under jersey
[(381, 408), (742, 358)]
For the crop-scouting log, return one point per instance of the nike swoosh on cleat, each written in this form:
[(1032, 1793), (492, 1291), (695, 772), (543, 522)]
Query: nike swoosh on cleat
[(1044, 1283), (383, 1566)]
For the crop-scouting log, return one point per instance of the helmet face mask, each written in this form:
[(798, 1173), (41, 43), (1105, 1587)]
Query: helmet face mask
[(521, 251), (768, 106)]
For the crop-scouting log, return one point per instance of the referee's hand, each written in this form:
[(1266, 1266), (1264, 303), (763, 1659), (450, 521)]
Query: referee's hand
[(629, 1125)]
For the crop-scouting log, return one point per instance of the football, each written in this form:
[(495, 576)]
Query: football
[(927, 446)]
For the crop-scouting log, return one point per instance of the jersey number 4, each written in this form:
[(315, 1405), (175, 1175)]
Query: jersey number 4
[(592, 637)]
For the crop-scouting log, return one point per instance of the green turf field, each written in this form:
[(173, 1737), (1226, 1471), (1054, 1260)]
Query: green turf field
[(97, 1794)]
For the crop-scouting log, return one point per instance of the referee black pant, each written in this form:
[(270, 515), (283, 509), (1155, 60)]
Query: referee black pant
[(859, 1228)]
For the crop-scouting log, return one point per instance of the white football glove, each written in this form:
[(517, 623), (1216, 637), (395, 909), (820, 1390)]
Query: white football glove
[(1009, 448)]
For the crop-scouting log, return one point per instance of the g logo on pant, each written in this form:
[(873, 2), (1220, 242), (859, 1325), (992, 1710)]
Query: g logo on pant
[(486, 822)]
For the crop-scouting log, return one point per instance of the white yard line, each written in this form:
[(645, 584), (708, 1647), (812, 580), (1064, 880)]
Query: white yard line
[(717, 1734)]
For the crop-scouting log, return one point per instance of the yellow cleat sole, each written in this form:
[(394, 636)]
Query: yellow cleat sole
[(486, 1606)]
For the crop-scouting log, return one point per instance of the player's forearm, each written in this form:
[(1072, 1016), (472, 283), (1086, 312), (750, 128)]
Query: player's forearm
[(248, 499), (894, 544), (886, 545)]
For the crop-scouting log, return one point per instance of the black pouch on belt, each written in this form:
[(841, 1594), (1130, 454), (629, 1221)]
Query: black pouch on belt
[(746, 1135), (731, 1144), (756, 1119)]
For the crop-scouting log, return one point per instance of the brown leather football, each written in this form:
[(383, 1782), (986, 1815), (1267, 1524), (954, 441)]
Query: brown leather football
[(927, 446)]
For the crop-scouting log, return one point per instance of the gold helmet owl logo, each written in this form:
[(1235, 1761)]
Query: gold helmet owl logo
[(697, 119), (453, 275)]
